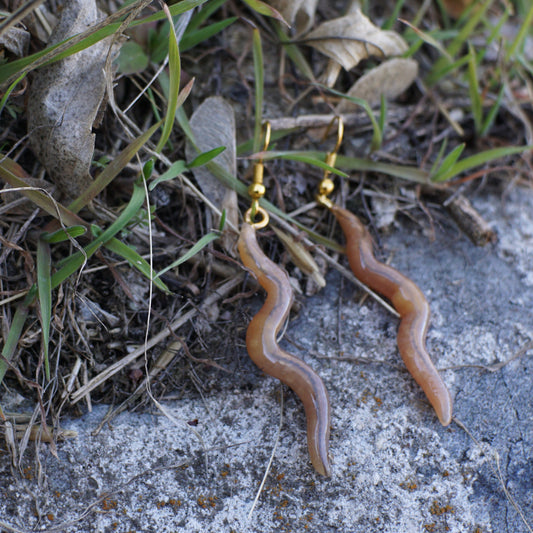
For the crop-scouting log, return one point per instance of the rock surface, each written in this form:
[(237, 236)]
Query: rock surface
[(395, 468)]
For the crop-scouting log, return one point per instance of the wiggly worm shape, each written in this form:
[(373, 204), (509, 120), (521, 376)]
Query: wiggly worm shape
[(269, 357), (410, 303)]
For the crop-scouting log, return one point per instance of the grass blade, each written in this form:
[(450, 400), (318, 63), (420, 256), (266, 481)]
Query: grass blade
[(479, 159), (86, 39), (259, 76), (308, 157), (441, 66), (147, 170), (44, 287), (10, 172), (448, 162), (132, 257), (264, 9), (382, 114), (445, 68), (204, 158), (389, 23), (15, 331), (9, 90), (203, 14), (202, 243), (62, 235), (184, 93), (521, 35), (473, 89), (222, 222), (294, 53), (192, 39), (112, 170), (439, 157), (176, 9), (174, 69), (181, 166), (173, 170), (76, 260), (491, 115), (471, 21), (414, 174), (317, 158), (425, 37)]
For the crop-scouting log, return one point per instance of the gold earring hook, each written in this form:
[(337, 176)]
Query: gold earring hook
[(340, 133), (326, 186), (257, 190), (267, 128)]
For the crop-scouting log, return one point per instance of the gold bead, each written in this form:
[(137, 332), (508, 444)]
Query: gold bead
[(326, 187), (256, 190)]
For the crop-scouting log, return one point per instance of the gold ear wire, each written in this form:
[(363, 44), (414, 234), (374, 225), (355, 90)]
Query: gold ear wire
[(326, 186), (257, 190)]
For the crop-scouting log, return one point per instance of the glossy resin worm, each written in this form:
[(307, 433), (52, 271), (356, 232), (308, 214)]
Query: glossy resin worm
[(269, 357), (408, 300)]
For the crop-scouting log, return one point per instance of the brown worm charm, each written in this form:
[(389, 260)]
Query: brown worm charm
[(269, 357), (410, 303)]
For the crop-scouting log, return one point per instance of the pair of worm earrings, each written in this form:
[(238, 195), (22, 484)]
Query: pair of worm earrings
[(261, 336)]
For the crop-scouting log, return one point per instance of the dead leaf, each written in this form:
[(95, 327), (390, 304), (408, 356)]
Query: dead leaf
[(331, 73), (351, 38), (16, 41), (213, 125), (389, 79), (300, 14), (301, 257), (64, 102)]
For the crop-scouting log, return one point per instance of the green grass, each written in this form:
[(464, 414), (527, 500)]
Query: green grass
[(50, 274), (449, 54), (44, 288), (259, 78), (107, 27)]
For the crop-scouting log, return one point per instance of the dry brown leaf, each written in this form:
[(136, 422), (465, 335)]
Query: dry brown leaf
[(213, 125), (351, 38), (331, 73), (64, 101), (389, 79), (300, 14), (16, 41), (301, 257)]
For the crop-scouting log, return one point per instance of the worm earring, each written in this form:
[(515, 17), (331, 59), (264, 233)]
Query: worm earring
[(261, 336), (404, 295)]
